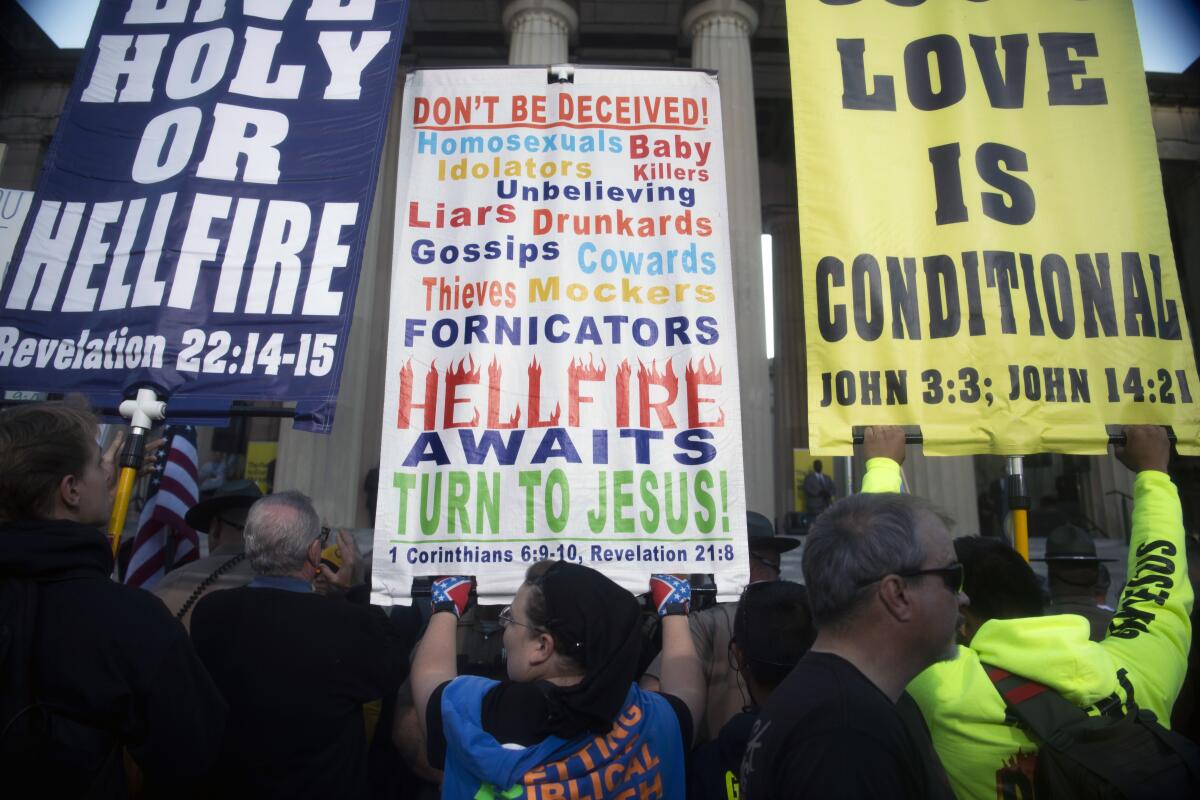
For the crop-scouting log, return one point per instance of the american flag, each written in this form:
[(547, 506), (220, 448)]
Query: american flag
[(161, 529)]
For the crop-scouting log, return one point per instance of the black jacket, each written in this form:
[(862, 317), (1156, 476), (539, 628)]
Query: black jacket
[(714, 766), (114, 670), (296, 669)]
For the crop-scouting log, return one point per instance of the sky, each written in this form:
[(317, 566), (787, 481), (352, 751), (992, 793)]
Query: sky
[(1169, 29)]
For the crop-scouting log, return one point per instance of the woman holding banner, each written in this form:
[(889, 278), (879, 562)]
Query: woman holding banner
[(570, 721)]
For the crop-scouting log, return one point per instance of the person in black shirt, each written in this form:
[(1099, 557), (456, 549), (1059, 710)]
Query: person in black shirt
[(772, 629), (885, 592), (295, 667)]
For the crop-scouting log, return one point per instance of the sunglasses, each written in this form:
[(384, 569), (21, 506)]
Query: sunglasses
[(952, 575), (324, 536)]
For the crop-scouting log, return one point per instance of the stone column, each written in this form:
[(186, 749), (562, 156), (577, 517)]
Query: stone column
[(539, 31), (791, 363), (1102, 489), (29, 112), (330, 468), (720, 33), (1185, 210), (949, 483)]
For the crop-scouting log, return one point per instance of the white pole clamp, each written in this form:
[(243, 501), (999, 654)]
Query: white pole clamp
[(145, 410)]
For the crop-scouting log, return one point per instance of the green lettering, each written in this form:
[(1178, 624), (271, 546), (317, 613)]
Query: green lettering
[(650, 516), (704, 484), (677, 508), (557, 479), (487, 501), (529, 478), (405, 483), (622, 501), (456, 503), (431, 512), (598, 516)]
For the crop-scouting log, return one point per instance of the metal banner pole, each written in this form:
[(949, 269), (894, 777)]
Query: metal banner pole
[(1018, 505)]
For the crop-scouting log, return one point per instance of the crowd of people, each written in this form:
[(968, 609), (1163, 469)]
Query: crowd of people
[(909, 663)]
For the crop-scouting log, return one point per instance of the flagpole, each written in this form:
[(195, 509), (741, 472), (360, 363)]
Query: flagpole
[(1018, 504), (142, 414)]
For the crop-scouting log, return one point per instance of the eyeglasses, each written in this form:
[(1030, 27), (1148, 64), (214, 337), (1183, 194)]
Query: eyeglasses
[(324, 536), (505, 618), (952, 575)]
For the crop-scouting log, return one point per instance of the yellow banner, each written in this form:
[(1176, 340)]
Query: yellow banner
[(260, 463), (984, 237)]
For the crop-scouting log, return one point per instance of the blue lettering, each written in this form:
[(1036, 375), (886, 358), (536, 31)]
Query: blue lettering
[(477, 450), (427, 447), (694, 440)]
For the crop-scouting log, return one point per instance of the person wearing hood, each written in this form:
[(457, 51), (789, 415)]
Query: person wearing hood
[(1143, 656), (110, 672), (570, 721)]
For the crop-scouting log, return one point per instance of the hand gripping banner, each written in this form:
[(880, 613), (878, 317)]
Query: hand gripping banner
[(562, 378), (199, 222), (984, 237)]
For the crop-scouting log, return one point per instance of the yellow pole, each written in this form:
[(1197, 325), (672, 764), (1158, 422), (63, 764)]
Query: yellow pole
[(1020, 519), (1018, 505), (116, 523), (141, 412)]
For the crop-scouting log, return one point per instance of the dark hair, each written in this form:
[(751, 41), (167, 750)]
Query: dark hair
[(999, 583), (858, 540), (40, 444), (773, 628), (540, 615)]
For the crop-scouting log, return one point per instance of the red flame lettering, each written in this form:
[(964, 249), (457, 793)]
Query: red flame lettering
[(652, 377), (455, 377), (695, 378), (577, 372)]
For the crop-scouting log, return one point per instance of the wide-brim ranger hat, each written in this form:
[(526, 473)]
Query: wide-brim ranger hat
[(761, 533), (1070, 544), (229, 495)]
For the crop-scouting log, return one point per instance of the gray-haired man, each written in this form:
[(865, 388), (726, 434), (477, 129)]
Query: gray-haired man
[(885, 591), (295, 667)]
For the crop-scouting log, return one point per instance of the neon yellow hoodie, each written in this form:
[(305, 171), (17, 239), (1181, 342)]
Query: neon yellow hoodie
[(1149, 637)]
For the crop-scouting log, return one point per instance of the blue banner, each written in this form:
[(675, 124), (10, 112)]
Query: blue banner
[(201, 215)]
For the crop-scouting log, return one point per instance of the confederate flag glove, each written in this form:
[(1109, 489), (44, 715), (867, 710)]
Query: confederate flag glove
[(671, 595), (451, 593)]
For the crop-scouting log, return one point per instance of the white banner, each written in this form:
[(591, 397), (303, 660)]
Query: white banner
[(562, 378)]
